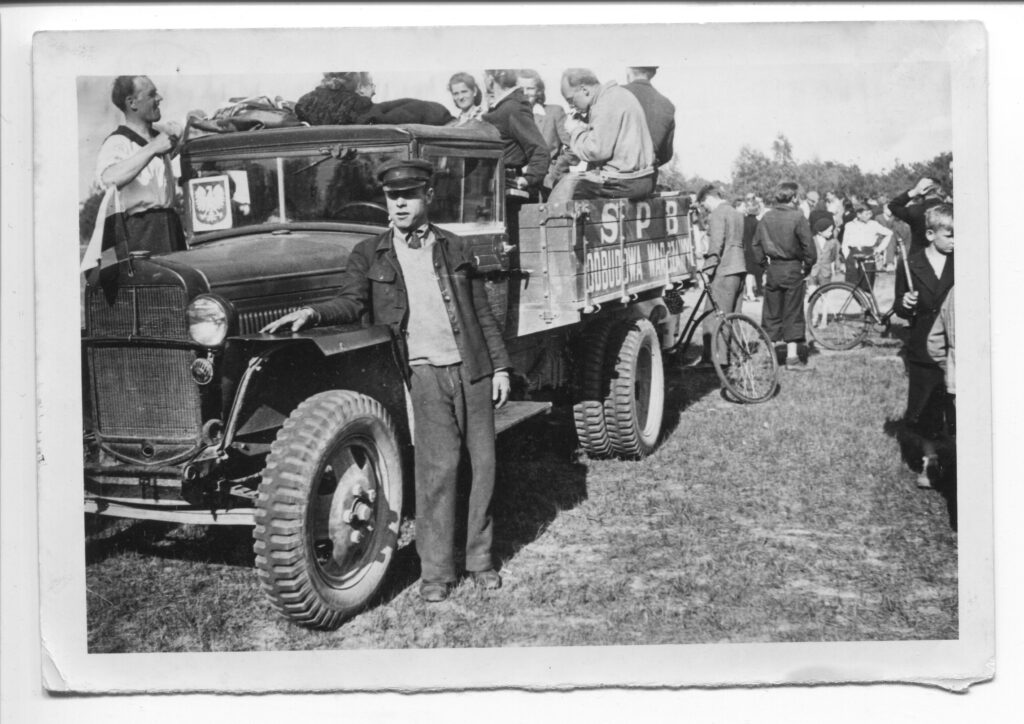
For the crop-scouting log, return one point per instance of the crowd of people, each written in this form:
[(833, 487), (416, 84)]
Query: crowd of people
[(609, 145), (801, 242)]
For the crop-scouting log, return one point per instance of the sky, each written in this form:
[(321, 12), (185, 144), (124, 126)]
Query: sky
[(865, 109)]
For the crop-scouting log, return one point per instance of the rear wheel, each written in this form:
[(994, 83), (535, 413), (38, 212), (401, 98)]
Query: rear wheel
[(329, 508), (838, 316), (591, 384), (745, 359), (635, 403)]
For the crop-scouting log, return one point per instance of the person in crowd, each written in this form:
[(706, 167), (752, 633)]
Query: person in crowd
[(723, 260), (849, 214), (827, 249), (659, 111), (930, 270), (900, 233), (834, 205), (525, 151), (136, 160), (615, 142), (346, 98), (864, 238), (550, 120), (420, 281), (467, 97), (818, 210), (783, 245), (942, 350), (752, 282), (911, 207)]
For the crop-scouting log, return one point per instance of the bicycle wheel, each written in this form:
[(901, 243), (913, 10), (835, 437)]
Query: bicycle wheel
[(838, 316), (744, 359)]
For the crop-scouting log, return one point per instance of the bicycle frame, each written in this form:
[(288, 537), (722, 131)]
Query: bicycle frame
[(697, 316)]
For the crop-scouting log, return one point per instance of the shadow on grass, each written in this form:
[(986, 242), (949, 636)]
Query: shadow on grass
[(685, 386), (539, 476), (225, 545), (942, 476)]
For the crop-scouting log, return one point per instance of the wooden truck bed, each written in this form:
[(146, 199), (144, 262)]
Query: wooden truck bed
[(575, 257)]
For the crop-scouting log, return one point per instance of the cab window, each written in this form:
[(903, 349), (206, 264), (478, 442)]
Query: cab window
[(464, 189)]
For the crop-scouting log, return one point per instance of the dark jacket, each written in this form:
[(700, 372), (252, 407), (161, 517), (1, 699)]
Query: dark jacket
[(373, 290), (931, 292), (783, 234), (661, 118), (524, 147), (407, 110), (913, 214)]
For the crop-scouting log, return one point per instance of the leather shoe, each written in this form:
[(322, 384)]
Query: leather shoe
[(489, 580), (434, 591)]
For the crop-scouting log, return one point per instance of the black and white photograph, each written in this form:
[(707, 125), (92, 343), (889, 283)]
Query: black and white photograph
[(539, 356)]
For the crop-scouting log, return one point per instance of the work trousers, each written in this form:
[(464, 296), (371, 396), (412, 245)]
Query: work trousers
[(591, 186), (454, 423), (783, 313), (727, 291), (157, 231)]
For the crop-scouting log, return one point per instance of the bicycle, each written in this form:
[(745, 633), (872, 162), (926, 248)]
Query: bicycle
[(742, 353), (846, 310)]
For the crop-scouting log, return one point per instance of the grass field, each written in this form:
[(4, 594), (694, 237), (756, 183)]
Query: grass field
[(794, 520)]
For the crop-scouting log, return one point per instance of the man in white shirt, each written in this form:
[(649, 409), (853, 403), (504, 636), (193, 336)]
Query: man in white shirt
[(136, 159)]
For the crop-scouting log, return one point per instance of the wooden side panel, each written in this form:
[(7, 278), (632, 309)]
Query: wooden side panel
[(591, 252)]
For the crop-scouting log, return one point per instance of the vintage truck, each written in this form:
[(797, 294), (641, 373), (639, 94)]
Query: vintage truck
[(193, 416)]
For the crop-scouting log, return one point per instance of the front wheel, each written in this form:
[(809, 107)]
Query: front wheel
[(329, 508), (838, 316), (744, 359)]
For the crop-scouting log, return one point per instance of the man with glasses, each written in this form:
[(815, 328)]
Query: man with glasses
[(421, 282), (615, 141)]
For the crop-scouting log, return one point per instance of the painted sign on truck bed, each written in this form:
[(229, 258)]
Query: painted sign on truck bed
[(577, 256)]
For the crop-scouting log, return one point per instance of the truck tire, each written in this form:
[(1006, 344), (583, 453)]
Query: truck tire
[(635, 404), (592, 376), (328, 508)]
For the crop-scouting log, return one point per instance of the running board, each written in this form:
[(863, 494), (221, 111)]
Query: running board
[(515, 412), (169, 514)]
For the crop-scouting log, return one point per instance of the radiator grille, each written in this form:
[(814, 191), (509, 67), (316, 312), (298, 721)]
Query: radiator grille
[(154, 311), (145, 392), (252, 322)]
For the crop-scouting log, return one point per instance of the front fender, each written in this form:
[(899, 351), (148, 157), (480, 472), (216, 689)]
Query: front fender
[(330, 340), (267, 375)]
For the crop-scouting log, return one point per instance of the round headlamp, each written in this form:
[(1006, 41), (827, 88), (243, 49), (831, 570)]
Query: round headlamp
[(207, 320)]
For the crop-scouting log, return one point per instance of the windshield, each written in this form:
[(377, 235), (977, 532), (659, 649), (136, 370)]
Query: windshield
[(334, 184)]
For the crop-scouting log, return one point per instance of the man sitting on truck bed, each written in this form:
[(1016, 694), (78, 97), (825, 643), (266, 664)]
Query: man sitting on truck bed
[(419, 280), (615, 143)]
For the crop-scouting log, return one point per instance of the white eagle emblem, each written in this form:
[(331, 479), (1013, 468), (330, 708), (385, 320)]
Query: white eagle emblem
[(211, 202)]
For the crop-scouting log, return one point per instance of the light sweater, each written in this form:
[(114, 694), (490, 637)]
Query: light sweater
[(429, 332), (617, 142)]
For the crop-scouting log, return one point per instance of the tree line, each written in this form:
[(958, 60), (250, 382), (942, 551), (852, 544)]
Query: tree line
[(755, 171)]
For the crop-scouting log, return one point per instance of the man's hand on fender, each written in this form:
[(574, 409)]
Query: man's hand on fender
[(500, 388), (298, 319)]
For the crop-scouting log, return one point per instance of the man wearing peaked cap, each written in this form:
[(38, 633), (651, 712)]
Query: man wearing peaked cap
[(421, 282), (405, 173)]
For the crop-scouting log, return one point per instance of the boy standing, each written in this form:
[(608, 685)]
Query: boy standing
[(931, 270), (827, 249)]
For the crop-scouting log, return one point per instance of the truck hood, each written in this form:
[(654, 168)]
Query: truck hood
[(232, 264)]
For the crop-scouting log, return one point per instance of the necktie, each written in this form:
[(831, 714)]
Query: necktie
[(415, 239)]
